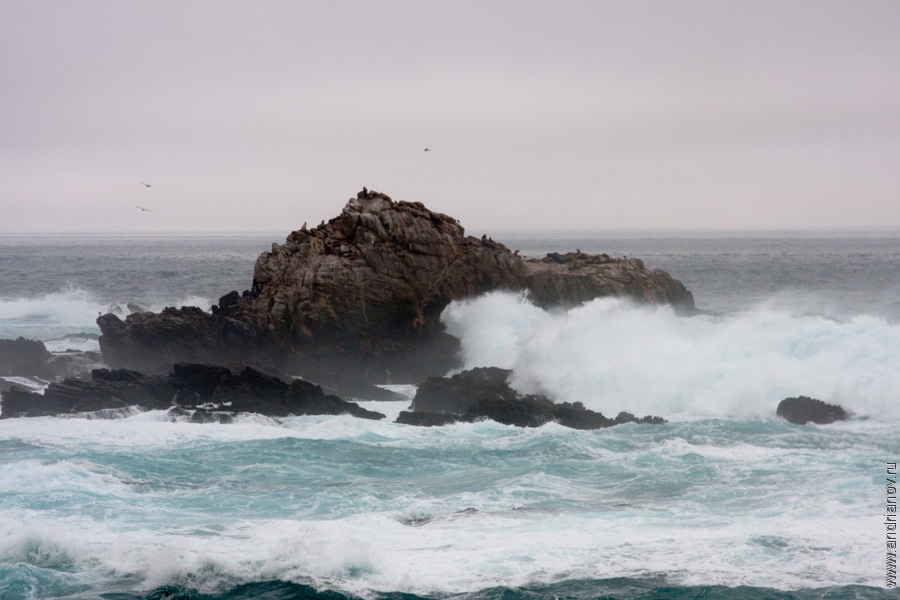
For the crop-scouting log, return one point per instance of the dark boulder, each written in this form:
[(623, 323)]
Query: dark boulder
[(458, 393), (483, 393), (209, 391), (426, 419), (527, 411), (254, 391), (802, 410), (534, 411), (107, 390), (626, 417), (22, 357), (196, 383)]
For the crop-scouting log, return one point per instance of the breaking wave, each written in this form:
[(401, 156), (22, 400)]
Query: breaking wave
[(70, 313), (613, 355)]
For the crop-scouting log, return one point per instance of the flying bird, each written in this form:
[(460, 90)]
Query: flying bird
[(146, 184), (142, 208), (427, 149)]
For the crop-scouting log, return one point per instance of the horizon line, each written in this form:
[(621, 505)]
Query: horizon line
[(479, 230)]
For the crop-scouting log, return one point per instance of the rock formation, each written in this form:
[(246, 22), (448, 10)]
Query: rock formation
[(366, 290), (483, 393), (30, 358), (208, 392), (802, 410), (458, 393)]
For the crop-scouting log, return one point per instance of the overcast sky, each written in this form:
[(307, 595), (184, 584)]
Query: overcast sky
[(539, 115)]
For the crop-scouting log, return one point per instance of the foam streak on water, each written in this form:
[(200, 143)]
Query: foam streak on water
[(362, 506)]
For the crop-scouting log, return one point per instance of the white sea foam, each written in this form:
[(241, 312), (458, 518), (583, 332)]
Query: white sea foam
[(612, 355), (362, 505), (465, 551), (67, 319), (70, 310)]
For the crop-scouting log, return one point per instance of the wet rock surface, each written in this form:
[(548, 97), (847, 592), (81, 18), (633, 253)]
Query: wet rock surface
[(483, 393), (803, 409), (209, 392), (363, 293), (22, 357)]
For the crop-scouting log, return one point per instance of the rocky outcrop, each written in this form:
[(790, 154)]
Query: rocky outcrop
[(528, 411), (24, 357), (366, 290), (458, 393), (802, 410), (575, 277), (483, 393), (30, 358), (152, 341), (206, 392)]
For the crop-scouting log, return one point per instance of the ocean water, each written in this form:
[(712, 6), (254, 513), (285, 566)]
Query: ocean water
[(724, 501)]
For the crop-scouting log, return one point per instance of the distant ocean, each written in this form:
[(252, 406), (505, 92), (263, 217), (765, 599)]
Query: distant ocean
[(724, 502)]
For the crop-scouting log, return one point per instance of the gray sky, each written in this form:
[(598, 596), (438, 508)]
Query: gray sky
[(539, 115)]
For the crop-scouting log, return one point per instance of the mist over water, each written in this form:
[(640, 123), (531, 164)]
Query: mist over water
[(613, 355), (53, 286)]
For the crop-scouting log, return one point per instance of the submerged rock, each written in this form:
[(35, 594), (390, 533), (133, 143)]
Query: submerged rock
[(210, 392), (365, 291), (802, 410)]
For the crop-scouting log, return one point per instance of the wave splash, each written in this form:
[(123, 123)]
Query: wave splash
[(613, 355), (70, 313)]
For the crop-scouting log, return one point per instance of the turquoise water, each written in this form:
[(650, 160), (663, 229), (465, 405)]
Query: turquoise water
[(138, 504), (724, 501)]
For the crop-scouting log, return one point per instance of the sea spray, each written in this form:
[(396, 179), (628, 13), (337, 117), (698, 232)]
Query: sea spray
[(139, 506), (614, 355), (72, 311)]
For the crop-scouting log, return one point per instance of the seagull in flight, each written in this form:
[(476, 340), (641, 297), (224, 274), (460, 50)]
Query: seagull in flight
[(142, 208), (427, 149), (146, 185)]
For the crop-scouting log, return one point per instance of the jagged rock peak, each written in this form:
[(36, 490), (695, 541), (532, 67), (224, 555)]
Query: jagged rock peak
[(372, 216), (367, 194)]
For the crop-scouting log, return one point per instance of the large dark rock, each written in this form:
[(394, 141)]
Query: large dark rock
[(802, 410), (151, 342), (456, 394), (534, 411), (365, 291), (30, 358), (426, 419), (483, 393), (24, 357), (211, 392), (107, 390)]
